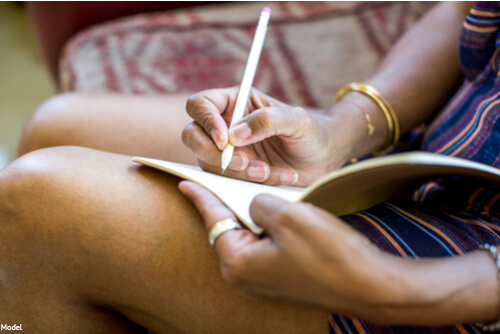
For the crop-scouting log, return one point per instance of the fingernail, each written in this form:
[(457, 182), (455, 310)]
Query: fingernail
[(258, 173), (240, 132), (237, 163), (289, 178), (217, 137)]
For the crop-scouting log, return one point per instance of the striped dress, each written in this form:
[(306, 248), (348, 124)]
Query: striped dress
[(449, 216)]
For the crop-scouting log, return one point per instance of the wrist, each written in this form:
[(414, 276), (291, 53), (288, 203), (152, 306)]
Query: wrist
[(385, 134), (346, 127), (439, 291), (388, 290), (389, 283), (375, 286), (363, 121)]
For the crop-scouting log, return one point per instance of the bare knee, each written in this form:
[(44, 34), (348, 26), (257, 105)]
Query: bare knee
[(37, 274), (31, 194), (50, 124), (20, 259), (24, 186)]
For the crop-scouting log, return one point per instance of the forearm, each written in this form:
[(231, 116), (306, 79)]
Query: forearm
[(419, 75), (423, 69), (431, 292)]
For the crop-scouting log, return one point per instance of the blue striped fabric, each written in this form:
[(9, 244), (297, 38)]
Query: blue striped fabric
[(469, 126), (449, 216), (478, 39)]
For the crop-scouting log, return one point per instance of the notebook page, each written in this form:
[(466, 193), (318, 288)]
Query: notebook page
[(236, 194)]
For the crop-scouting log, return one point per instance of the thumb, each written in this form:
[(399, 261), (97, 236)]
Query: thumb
[(270, 121), (270, 212)]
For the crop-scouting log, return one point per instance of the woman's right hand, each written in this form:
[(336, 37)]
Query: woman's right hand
[(274, 143)]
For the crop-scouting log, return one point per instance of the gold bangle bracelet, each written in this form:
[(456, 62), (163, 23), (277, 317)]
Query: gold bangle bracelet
[(390, 116)]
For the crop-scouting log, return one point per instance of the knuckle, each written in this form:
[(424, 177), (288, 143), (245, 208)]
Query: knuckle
[(256, 96), (284, 217), (199, 106), (302, 116), (207, 150), (192, 102), (261, 119), (194, 138), (187, 134), (290, 214), (206, 121), (299, 111)]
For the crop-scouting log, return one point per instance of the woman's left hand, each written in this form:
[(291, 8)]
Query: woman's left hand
[(307, 254)]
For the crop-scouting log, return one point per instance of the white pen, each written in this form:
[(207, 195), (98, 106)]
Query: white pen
[(246, 82)]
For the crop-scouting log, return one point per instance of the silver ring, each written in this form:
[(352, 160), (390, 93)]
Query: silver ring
[(221, 227)]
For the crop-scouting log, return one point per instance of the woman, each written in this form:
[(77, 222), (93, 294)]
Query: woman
[(92, 242)]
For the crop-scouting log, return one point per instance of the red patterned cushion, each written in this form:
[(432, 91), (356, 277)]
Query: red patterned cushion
[(312, 49)]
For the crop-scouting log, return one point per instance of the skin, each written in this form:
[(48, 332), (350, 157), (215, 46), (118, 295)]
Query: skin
[(126, 124), (89, 240), (68, 232)]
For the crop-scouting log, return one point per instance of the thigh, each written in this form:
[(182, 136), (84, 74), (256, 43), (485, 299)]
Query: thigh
[(121, 237), (127, 124)]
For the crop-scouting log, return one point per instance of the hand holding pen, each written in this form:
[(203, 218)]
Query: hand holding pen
[(274, 143)]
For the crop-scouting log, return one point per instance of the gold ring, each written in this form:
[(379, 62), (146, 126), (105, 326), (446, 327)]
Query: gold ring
[(221, 227)]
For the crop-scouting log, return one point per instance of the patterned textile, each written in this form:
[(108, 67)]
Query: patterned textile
[(451, 216), (479, 37), (303, 62), (469, 127)]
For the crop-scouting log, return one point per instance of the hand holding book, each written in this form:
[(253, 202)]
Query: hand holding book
[(294, 260)]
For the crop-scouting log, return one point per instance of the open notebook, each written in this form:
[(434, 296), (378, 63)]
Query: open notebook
[(352, 188)]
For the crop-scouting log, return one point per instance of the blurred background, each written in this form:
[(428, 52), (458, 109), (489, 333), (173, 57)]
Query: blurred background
[(24, 79), (32, 35), (172, 47)]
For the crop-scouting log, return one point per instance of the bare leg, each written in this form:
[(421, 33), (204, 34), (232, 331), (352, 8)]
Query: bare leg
[(128, 124), (90, 242)]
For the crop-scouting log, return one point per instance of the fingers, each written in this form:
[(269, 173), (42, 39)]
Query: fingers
[(240, 167), (270, 121), (266, 210), (210, 207), (213, 210), (243, 256), (275, 215), (256, 171), (211, 109), (197, 140), (207, 135)]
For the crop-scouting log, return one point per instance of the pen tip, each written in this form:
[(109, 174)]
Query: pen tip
[(222, 172)]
